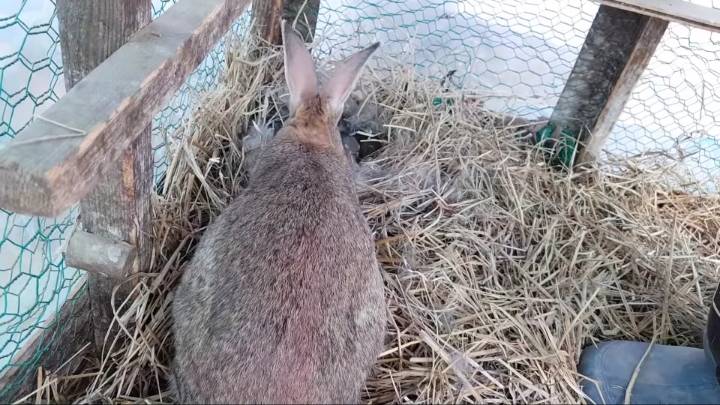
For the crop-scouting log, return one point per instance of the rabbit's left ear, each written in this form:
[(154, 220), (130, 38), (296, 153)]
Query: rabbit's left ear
[(299, 68), (343, 78)]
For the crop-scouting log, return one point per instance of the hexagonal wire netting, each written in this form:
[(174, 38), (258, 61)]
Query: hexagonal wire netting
[(34, 279), (519, 52)]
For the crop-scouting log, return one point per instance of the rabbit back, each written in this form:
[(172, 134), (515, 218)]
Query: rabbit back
[(283, 300)]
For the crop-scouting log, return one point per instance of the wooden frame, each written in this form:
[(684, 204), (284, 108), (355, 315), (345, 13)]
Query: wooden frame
[(617, 49), (95, 149), (679, 11), (268, 13), (115, 215), (95, 143), (104, 113)]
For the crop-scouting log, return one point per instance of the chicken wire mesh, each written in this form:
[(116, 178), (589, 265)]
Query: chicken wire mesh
[(35, 282), (521, 53), (518, 52)]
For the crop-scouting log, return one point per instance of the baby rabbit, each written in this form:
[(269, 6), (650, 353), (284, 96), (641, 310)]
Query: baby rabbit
[(283, 300)]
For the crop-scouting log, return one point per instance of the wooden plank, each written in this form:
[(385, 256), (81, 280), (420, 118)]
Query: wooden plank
[(638, 60), (93, 30), (94, 253), (118, 209), (104, 113), (267, 15), (115, 215), (616, 51), (678, 11), (303, 14)]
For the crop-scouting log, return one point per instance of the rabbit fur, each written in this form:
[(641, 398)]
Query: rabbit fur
[(283, 300)]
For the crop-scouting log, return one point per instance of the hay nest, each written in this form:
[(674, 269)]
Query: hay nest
[(498, 269)]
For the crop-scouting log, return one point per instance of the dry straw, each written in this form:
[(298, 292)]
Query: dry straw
[(498, 269)]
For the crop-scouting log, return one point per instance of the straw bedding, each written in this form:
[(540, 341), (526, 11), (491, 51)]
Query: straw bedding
[(498, 269)]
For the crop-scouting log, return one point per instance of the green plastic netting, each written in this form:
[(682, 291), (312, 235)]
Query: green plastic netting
[(34, 281), (519, 52)]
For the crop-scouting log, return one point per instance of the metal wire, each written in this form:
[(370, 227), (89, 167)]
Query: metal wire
[(518, 52)]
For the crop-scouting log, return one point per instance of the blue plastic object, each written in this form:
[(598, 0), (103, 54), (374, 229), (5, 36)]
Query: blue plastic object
[(668, 375)]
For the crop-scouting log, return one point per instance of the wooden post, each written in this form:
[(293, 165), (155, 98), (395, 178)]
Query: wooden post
[(84, 139), (304, 14), (617, 49), (111, 257), (679, 11), (99, 118), (119, 206), (268, 13), (266, 16)]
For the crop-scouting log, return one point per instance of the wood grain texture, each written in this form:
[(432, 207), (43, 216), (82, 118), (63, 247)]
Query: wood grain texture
[(101, 24), (616, 51), (638, 60), (94, 253), (679, 11), (267, 15), (119, 209), (103, 114), (115, 215)]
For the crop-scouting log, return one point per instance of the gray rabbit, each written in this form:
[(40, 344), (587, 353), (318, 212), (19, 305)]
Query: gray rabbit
[(283, 300)]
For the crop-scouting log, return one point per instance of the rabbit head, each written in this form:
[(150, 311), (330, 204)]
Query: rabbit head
[(315, 108), (283, 300)]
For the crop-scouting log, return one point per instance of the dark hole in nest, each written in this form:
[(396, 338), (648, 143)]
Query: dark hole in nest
[(361, 126)]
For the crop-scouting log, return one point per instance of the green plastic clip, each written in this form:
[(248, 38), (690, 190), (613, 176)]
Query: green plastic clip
[(544, 134), (562, 152), (438, 101), (567, 148)]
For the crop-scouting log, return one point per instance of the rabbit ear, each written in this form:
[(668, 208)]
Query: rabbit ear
[(299, 68), (343, 78)]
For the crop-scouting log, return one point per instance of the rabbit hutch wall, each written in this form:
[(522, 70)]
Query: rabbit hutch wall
[(88, 133)]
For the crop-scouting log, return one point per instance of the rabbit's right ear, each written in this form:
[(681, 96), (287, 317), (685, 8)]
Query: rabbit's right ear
[(299, 68), (343, 78)]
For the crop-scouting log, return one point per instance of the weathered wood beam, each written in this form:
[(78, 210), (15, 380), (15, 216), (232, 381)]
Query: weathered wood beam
[(116, 213), (679, 11), (616, 51), (303, 14), (59, 158), (93, 30), (115, 216), (97, 254), (267, 15)]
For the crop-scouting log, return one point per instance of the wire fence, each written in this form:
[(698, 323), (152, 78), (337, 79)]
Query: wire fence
[(518, 52), (34, 280), (521, 53)]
